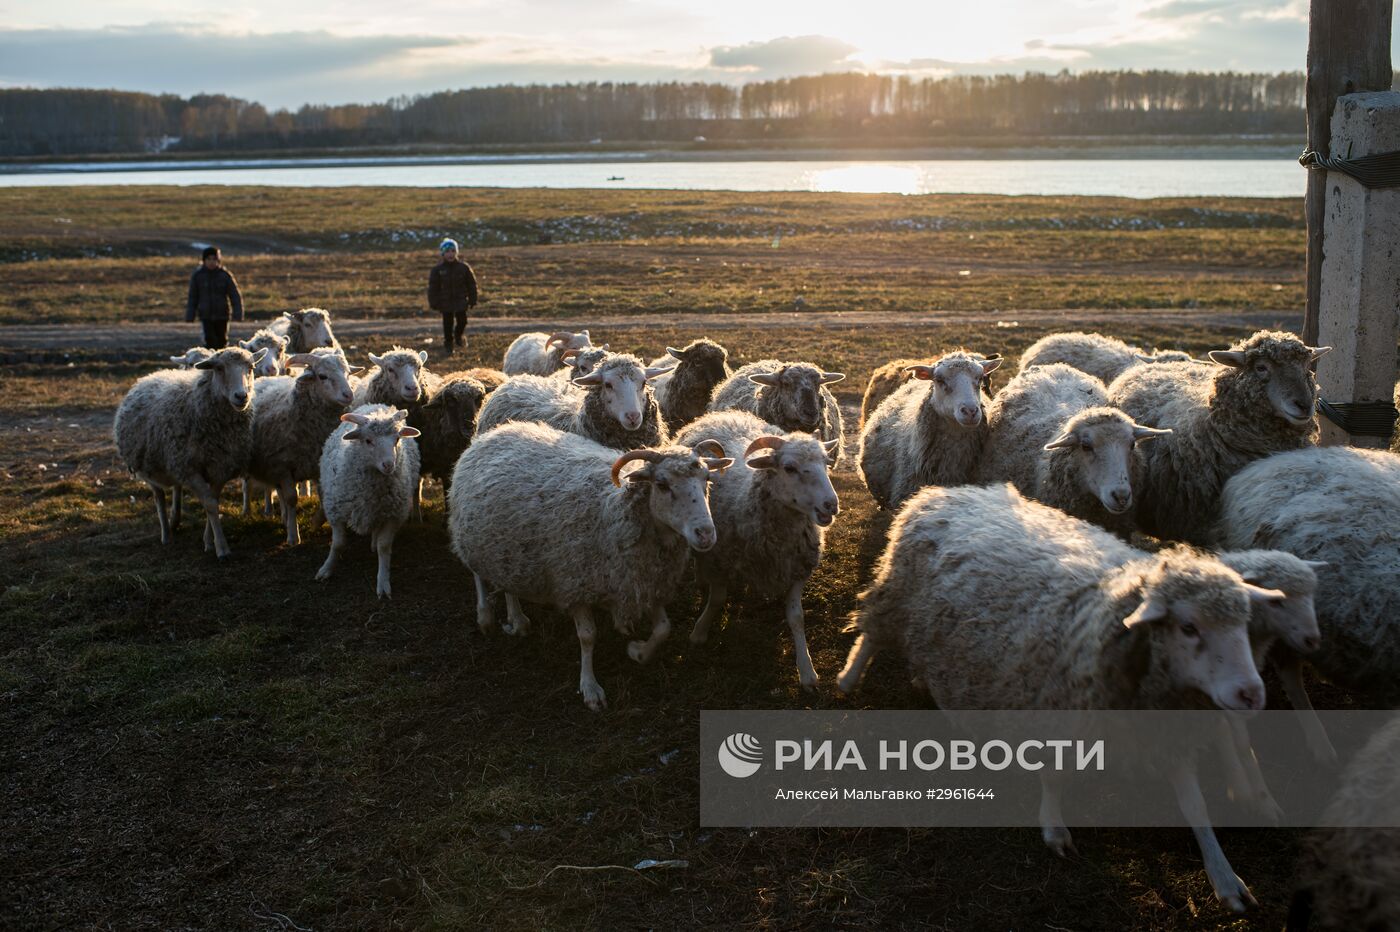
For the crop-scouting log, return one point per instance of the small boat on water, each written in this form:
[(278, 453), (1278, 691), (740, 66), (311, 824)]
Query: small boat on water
[(616, 178)]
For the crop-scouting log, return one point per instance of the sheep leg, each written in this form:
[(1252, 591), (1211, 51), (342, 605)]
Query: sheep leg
[(642, 651), (1290, 673), (384, 546), (418, 501), (593, 696), (806, 675), (209, 497), (1259, 795), (176, 496), (1052, 824), (714, 607), (1229, 888), (246, 485), (337, 544), (159, 494), (517, 622), (267, 499), (856, 662), (485, 615), (287, 493)]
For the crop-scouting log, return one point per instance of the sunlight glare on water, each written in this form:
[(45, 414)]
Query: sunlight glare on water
[(867, 178)]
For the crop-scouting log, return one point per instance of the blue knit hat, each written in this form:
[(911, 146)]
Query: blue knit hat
[(446, 245)]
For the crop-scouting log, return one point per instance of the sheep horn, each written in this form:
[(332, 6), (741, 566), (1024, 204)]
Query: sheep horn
[(569, 354), (561, 336), (767, 442), (709, 448), (677, 353), (1319, 351), (1147, 433), (830, 377), (650, 456)]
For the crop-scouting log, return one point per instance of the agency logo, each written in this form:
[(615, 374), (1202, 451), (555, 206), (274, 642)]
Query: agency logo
[(740, 755)]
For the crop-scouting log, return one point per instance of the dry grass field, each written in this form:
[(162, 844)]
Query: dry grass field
[(196, 744)]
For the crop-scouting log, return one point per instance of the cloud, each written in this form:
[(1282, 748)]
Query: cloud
[(787, 55)]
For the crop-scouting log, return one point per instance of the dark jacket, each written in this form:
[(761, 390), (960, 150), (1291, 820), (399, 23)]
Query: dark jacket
[(451, 286), (213, 295)]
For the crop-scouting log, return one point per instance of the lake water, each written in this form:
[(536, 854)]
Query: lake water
[(1137, 177)]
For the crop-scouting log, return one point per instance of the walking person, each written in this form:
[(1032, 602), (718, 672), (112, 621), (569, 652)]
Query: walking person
[(451, 292), (214, 298)]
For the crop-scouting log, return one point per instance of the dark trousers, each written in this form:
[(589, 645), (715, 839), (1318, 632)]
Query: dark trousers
[(215, 334), (454, 324)]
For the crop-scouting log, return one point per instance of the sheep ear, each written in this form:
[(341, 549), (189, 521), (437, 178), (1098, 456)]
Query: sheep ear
[(718, 464), (301, 359), (584, 334), (400, 415), (711, 448), (1316, 565), (604, 347), (354, 369), (829, 378), (1147, 433), (920, 372), (376, 360), (245, 344), (831, 446), (991, 364), (1318, 352), (764, 378), (675, 353), (350, 417), (179, 360), (407, 432), (1233, 358), (592, 378), (1153, 608), (211, 363), (762, 461), (659, 370), (259, 355), (423, 357), (292, 315), (645, 474), (1261, 596), (1066, 439)]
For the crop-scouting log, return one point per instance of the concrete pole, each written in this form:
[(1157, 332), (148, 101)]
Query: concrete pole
[(1359, 304)]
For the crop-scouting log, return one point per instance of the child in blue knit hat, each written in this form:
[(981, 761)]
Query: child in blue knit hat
[(451, 292)]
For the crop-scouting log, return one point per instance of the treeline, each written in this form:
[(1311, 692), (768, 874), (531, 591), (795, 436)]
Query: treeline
[(851, 106)]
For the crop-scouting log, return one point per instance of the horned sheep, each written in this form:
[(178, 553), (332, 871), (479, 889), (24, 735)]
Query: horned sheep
[(793, 396), (368, 476), (616, 407), (998, 602), (539, 353), (504, 520), (1051, 433), (771, 511), (305, 330), (930, 431), (1259, 400), (580, 362), (193, 429), (685, 391)]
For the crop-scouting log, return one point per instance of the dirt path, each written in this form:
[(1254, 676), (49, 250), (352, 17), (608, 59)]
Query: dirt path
[(33, 342)]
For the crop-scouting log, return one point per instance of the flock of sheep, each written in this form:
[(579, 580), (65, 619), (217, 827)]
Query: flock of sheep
[(1016, 574)]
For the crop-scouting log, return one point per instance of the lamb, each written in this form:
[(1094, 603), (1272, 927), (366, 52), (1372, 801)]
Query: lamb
[(771, 515), (516, 486), (292, 417), (887, 379), (190, 428), (447, 421), (1051, 433), (1103, 357), (1260, 400), (538, 353), (998, 602), (684, 392), (1340, 506), (616, 407), (275, 362), (369, 472), (305, 330), (1350, 872), (930, 431), (793, 396), (397, 379)]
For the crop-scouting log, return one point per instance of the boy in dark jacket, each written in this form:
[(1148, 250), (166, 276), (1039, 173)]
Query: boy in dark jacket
[(451, 291), (213, 299)]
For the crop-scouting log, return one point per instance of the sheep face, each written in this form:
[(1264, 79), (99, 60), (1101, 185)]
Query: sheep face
[(621, 384), (797, 392), (401, 367), (191, 356), (461, 401), (1278, 368), (798, 474), (380, 432), (1197, 618), (1294, 620), (582, 362), (1101, 441), (707, 360), (957, 381), (330, 372), (315, 326), (678, 493), (275, 362), (232, 374)]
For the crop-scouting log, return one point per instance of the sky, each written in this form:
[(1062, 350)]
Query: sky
[(284, 53)]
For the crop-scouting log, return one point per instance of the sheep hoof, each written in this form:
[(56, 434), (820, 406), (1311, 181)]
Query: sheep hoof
[(1236, 898), (698, 636), (323, 574), (809, 683), (593, 696), (383, 590), (1058, 840), (637, 650)]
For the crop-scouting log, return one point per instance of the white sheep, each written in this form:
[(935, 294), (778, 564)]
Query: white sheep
[(292, 417), (1103, 357), (999, 602), (792, 395), (1051, 433), (1340, 506), (189, 357), (537, 353), (612, 405), (517, 486), (274, 362), (929, 431), (305, 330), (1259, 400), (580, 362), (398, 379), (368, 479), (771, 511), (190, 428)]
